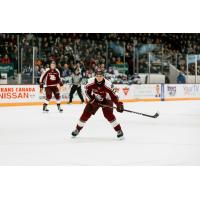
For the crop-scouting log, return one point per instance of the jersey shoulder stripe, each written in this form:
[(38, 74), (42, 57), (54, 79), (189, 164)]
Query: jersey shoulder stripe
[(44, 74), (110, 87), (58, 71), (47, 69), (90, 82), (108, 84)]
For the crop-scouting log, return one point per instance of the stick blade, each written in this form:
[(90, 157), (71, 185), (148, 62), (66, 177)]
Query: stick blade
[(156, 115)]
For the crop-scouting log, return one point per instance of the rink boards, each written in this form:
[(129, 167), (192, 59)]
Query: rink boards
[(13, 95)]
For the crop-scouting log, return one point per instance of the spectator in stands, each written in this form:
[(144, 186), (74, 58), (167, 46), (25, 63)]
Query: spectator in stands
[(136, 79), (91, 49), (66, 72), (118, 61), (59, 67), (181, 78), (110, 70), (6, 60), (37, 74), (112, 61)]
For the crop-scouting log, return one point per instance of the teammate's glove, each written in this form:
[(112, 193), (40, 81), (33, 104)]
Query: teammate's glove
[(61, 83), (120, 107), (58, 86), (41, 85), (41, 90)]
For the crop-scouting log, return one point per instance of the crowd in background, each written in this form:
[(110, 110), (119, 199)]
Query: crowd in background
[(90, 50)]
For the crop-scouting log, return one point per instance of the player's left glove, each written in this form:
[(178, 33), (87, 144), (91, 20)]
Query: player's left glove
[(120, 107)]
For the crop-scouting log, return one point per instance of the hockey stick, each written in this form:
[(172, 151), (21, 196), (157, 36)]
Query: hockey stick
[(134, 112)]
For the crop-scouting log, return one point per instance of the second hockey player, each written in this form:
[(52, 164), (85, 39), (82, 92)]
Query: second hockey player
[(50, 80)]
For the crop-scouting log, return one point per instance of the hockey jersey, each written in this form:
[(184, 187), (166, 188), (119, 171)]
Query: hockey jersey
[(50, 78), (100, 91)]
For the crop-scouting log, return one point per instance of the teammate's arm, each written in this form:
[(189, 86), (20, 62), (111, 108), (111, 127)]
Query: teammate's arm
[(42, 78)]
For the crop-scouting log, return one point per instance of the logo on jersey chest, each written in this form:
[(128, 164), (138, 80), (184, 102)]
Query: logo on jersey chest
[(52, 77), (126, 90)]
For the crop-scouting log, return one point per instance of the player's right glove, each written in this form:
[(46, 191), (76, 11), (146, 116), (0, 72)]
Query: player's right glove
[(120, 107)]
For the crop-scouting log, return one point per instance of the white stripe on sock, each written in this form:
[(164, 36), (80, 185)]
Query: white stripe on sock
[(81, 124), (114, 123), (46, 101), (58, 101)]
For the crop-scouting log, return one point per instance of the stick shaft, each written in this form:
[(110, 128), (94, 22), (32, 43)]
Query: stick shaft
[(130, 111)]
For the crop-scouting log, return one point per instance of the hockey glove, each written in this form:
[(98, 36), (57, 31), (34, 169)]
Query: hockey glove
[(120, 107), (41, 90)]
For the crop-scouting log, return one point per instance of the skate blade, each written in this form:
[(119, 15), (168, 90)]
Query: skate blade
[(121, 138), (45, 111)]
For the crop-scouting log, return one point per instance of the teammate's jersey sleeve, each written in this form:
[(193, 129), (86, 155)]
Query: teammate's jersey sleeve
[(43, 77), (111, 91)]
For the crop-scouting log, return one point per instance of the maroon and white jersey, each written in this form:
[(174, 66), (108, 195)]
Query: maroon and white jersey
[(50, 77), (100, 92)]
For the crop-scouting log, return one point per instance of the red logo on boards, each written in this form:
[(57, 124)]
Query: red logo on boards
[(126, 90)]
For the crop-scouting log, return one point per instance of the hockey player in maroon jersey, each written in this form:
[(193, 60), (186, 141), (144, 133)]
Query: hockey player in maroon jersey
[(50, 79), (100, 93)]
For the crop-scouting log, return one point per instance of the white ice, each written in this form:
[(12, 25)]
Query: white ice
[(29, 137)]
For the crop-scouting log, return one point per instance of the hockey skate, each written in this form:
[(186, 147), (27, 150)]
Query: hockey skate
[(45, 110), (59, 108), (75, 133), (120, 135)]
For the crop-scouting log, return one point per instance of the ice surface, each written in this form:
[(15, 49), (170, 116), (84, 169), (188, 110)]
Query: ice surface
[(30, 137)]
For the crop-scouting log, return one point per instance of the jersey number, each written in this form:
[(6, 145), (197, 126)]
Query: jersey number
[(52, 77)]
